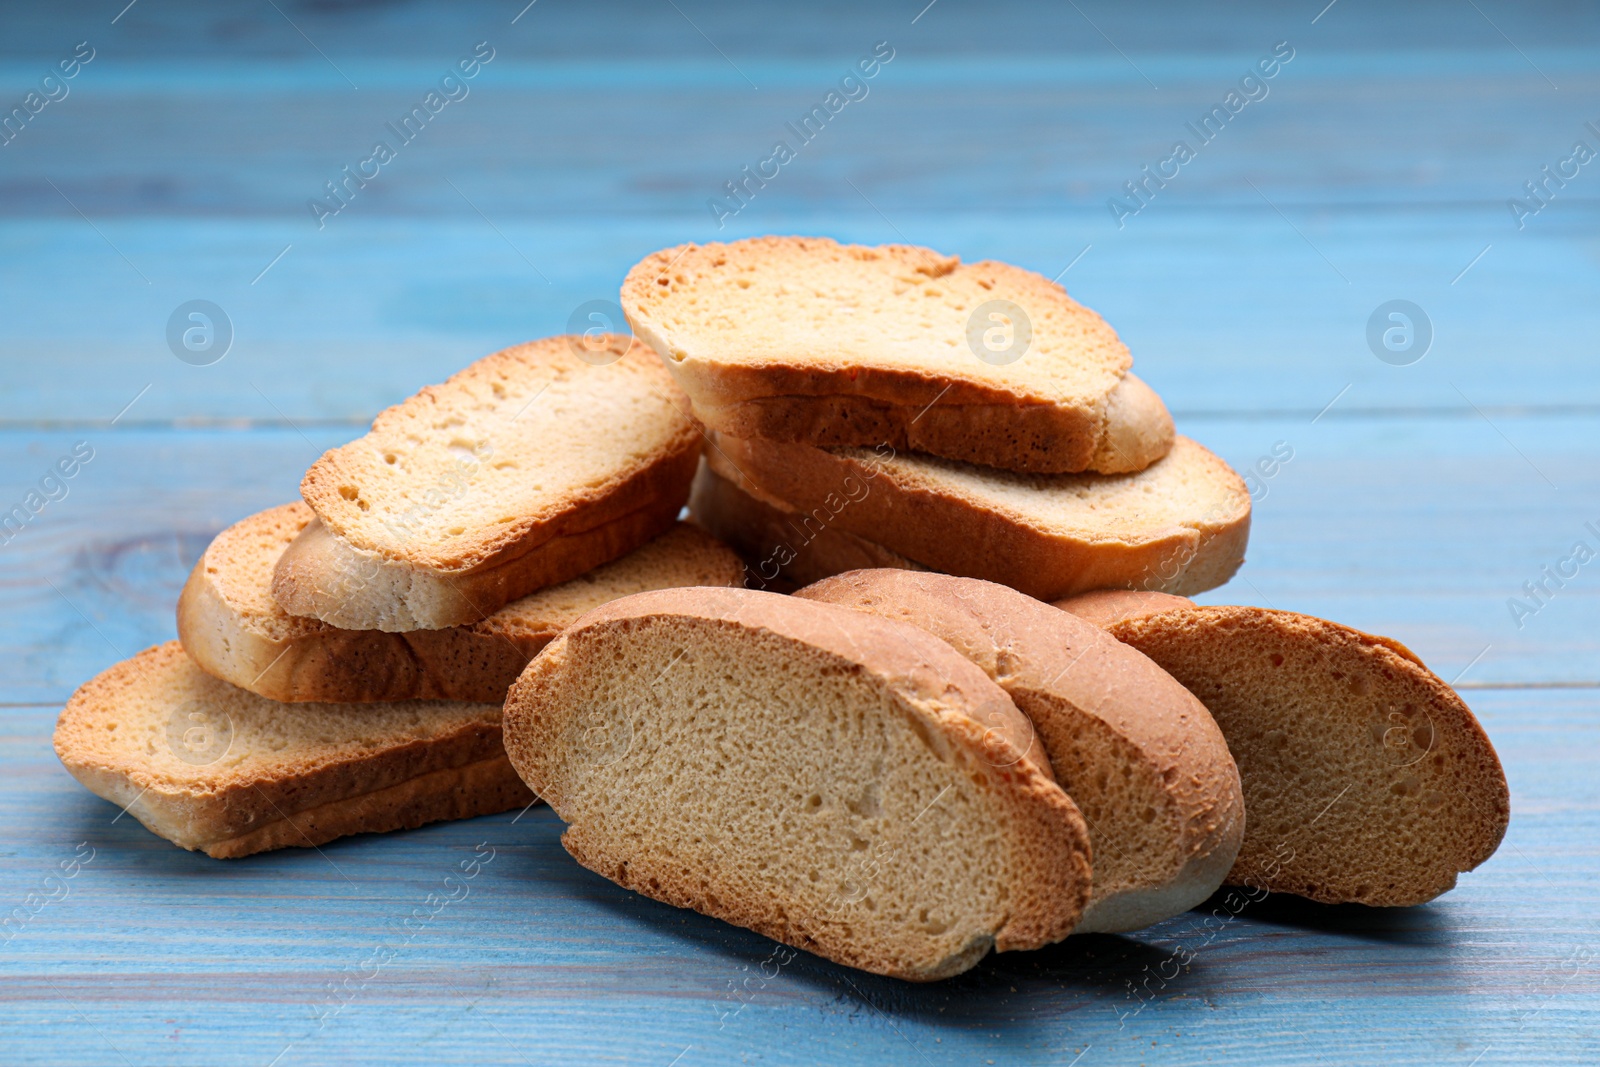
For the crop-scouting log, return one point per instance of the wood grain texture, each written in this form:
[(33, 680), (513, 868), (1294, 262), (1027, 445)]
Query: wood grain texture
[(1421, 500), (178, 958), (1224, 310)]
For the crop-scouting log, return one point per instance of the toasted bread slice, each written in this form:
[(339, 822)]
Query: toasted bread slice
[(1180, 525), (841, 783), (232, 627), (526, 469), (805, 340), (782, 549), (1138, 754), (213, 768), (1366, 778)]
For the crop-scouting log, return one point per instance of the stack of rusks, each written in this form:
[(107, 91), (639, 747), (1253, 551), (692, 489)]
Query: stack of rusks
[(912, 678)]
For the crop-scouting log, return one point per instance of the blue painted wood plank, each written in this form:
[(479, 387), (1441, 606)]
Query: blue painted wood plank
[(1245, 284), (1361, 114), (1222, 312), (1421, 529), (1417, 505), (179, 959), (260, 138), (644, 30)]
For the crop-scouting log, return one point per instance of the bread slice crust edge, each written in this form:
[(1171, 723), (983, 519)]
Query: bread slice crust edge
[(1421, 797), (226, 812), (332, 484), (541, 711), (782, 548), (907, 507), (322, 576), (296, 659), (1141, 757), (960, 407)]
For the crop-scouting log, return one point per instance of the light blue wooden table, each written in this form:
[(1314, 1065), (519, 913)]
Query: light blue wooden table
[(1375, 165)]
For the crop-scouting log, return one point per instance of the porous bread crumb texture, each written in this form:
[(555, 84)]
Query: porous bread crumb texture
[(1138, 754), (805, 339), (514, 449), (230, 624), (814, 303), (238, 566), (782, 548), (1366, 778), (1180, 525), (738, 758), (205, 764)]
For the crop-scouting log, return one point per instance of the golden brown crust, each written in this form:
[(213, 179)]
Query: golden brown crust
[(435, 519), (963, 431), (1366, 777), (992, 526), (320, 575), (115, 737), (782, 549), (1111, 721), (481, 788), (945, 697), (1105, 607), (1137, 429), (658, 470), (230, 625), (809, 382)]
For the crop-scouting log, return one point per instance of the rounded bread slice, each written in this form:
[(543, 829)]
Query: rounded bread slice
[(527, 468), (1138, 754), (230, 624), (1366, 778), (214, 768), (1180, 525), (843, 784), (803, 339)]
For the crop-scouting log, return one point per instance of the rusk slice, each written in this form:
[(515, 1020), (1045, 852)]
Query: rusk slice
[(782, 548), (1180, 525), (1366, 778), (1138, 754), (803, 339), (527, 468), (213, 768), (233, 628), (841, 783)]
